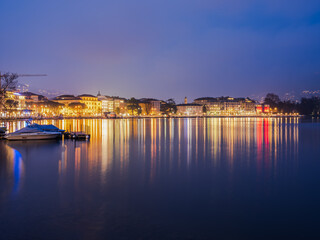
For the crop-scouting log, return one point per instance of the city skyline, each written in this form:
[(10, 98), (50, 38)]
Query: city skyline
[(259, 97), (164, 49)]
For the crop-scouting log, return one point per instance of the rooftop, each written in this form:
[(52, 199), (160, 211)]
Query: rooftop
[(66, 97), (223, 99), (210, 99), (87, 95), (147, 100), (189, 104), (29, 94)]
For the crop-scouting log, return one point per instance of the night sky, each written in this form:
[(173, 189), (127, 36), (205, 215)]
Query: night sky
[(163, 48)]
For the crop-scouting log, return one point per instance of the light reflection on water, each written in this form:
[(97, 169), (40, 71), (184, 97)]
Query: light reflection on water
[(12, 168), (186, 141), (139, 155)]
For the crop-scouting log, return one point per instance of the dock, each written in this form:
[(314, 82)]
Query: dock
[(77, 135)]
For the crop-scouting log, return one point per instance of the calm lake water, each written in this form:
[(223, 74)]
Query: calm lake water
[(215, 178)]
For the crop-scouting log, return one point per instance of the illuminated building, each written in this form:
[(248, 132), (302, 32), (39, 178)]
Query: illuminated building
[(266, 108), (205, 100), (105, 104), (112, 104), (227, 105), (150, 106), (68, 101), (15, 103), (93, 106), (19, 99), (248, 105), (46, 108), (232, 106), (190, 109), (259, 109), (119, 105), (263, 109), (213, 106), (32, 97)]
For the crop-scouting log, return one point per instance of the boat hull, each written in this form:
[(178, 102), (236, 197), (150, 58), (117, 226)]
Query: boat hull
[(38, 136)]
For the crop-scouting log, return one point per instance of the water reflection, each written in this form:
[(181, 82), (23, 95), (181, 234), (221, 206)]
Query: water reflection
[(156, 147), (137, 172), (17, 170), (11, 170), (167, 144)]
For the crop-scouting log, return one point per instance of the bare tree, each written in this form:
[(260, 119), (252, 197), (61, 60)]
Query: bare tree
[(148, 107), (11, 104), (8, 82)]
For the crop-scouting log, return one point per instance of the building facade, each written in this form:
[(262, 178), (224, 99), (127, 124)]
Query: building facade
[(150, 106), (112, 104), (32, 97), (14, 105), (190, 109), (226, 106), (93, 106), (70, 103)]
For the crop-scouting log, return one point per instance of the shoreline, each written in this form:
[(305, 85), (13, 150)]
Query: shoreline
[(146, 117)]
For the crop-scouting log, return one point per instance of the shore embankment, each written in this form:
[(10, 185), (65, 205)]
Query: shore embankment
[(146, 117)]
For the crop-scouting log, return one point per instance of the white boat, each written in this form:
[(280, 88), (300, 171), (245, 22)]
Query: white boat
[(29, 133)]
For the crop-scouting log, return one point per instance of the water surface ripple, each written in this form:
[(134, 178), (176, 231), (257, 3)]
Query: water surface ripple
[(187, 178)]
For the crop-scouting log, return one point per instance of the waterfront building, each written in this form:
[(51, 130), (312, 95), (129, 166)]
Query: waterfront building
[(93, 106), (205, 100), (149, 106), (14, 105), (259, 109), (32, 97), (119, 105), (248, 106), (263, 108), (214, 108), (105, 103), (72, 105), (227, 106), (18, 100), (212, 105), (190, 109), (46, 108), (112, 104), (66, 99), (266, 108), (232, 106), (82, 105)]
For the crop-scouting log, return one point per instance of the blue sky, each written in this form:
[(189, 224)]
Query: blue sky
[(163, 48)]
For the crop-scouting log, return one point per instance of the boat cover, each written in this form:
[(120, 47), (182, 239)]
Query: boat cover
[(27, 129), (46, 128)]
